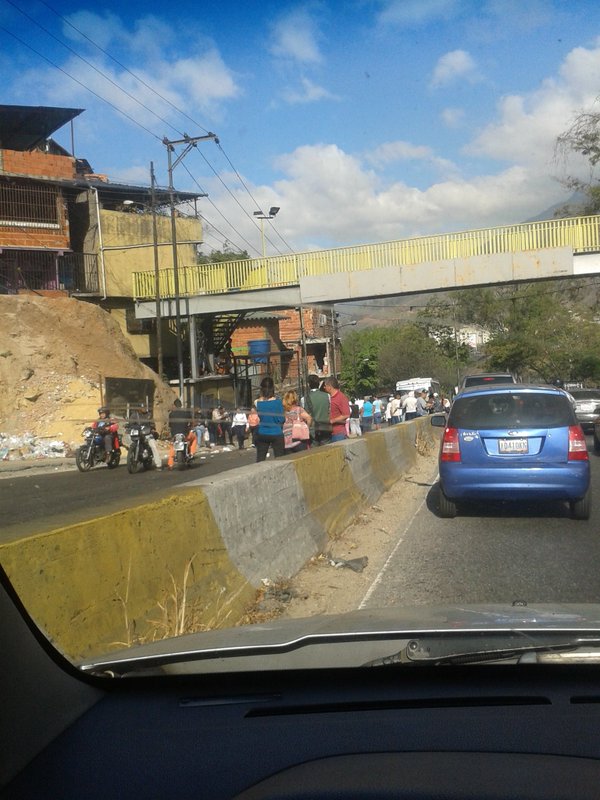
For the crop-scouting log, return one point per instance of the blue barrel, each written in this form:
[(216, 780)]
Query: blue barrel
[(259, 349)]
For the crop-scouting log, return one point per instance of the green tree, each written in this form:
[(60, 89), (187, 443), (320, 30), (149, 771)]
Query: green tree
[(538, 330), (374, 359), (219, 256), (360, 360), (582, 137)]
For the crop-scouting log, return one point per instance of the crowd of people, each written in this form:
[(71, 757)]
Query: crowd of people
[(290, 424), (326, 414)]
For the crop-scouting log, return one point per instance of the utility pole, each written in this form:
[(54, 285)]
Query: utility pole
[(304, 364), (189, 142), (159, 350), (333, 342)]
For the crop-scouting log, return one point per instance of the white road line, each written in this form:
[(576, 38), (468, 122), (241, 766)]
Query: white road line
[(383, 570)]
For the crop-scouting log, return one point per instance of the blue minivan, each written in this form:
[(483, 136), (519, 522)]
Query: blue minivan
[(513, 442)]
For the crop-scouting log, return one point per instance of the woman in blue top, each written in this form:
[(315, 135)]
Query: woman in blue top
[(366, 415), (272, 416)]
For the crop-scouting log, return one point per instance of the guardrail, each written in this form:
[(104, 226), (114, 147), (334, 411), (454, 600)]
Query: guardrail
[(580, 233)]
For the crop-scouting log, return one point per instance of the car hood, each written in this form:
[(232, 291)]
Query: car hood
[(350, 639)]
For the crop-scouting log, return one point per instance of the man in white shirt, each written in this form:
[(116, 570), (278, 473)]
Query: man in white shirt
[(409, 406)]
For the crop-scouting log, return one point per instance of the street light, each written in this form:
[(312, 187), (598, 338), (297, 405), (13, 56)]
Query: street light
[(273, 211)]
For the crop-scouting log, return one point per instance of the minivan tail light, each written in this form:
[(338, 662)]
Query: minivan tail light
[(450, 445), (577, 444)]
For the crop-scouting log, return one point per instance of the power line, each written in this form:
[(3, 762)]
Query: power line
[(250, 245), (164, 99), (251, 196), (87, 88), (123, 66), (89, 64), (228, 190)]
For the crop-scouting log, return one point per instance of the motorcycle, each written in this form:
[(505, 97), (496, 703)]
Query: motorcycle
[(139, 455), (183, 453), (93, 452)]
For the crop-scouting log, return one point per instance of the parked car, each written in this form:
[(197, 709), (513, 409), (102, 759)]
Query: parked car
[(519, 442), (587, 407), (486, 379)]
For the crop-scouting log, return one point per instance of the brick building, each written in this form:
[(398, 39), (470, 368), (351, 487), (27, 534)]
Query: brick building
[(66, 229)]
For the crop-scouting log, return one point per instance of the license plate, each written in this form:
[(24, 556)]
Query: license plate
[(513, 446)]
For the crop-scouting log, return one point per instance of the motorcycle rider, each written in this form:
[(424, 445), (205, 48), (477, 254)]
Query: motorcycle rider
[(108, 428), (181, 421)]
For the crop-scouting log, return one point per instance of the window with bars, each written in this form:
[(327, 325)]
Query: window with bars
[(29, 205)]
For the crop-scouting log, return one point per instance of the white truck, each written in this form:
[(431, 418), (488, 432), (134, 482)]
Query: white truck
[(418, 384)]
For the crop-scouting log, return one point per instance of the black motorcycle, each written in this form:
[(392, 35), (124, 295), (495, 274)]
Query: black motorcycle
[(139, 455), (92, 452)]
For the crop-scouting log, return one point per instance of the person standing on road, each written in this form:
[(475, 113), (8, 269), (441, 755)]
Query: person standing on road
[(294, 414), (339, 409), (377, 413), (317, 405), (366, 415), (271, 416), (239, 427), (422, 408), (409, 406), (253, 421), (396, 409), (354, 418)]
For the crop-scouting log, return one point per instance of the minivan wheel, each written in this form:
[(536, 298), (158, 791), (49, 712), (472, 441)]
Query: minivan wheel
[(580, 509), (447, 508)]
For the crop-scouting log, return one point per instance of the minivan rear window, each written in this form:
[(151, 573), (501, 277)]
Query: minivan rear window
[(478, 380), (506, 410)]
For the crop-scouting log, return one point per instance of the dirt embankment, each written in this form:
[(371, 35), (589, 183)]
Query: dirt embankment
[(54, 354)]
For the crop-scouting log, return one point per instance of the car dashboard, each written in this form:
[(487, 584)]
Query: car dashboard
[(409, 731)]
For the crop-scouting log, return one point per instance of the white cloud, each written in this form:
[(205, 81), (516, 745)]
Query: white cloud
[(452, 117), (454, 66), (310, 93), (103, 29), (295, 36), (527, 125), (198, 84), (330, 198), (391, 152)]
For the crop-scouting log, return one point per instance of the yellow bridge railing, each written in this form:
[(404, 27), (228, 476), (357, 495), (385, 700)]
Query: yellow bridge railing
[(580, 233)]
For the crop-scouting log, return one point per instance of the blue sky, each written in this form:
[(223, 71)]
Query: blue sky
[(363, 120)]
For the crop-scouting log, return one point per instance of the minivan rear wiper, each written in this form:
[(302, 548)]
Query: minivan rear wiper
[(519, 646)]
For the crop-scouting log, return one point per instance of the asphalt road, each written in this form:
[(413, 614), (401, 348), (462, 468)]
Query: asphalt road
[(36, 503), (494, 553)]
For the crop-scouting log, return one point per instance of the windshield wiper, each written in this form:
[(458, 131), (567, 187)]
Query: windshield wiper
[(517, 645)]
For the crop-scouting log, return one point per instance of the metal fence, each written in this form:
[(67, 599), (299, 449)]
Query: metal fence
[(582, 234), (43, 270)]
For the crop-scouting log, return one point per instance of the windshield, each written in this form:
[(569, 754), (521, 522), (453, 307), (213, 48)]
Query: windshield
[(495, 411), (265, 272)]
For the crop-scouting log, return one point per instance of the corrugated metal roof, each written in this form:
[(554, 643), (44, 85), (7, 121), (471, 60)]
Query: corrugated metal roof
[(256, 315), (23, 127)]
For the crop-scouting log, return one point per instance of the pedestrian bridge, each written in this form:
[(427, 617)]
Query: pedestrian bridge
[(558, 248)]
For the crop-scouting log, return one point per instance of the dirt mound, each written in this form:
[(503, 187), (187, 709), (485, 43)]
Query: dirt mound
[(54, 355)]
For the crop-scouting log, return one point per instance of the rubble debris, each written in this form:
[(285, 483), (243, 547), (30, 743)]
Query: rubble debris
[(29, 446), (356, 564)]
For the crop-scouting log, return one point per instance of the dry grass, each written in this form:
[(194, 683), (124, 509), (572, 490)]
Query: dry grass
[(178, 613)]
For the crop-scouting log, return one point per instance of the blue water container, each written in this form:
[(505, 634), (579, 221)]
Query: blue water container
[(259, 349)]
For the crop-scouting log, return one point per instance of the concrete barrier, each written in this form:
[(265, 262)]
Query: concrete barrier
[(203, 551)]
